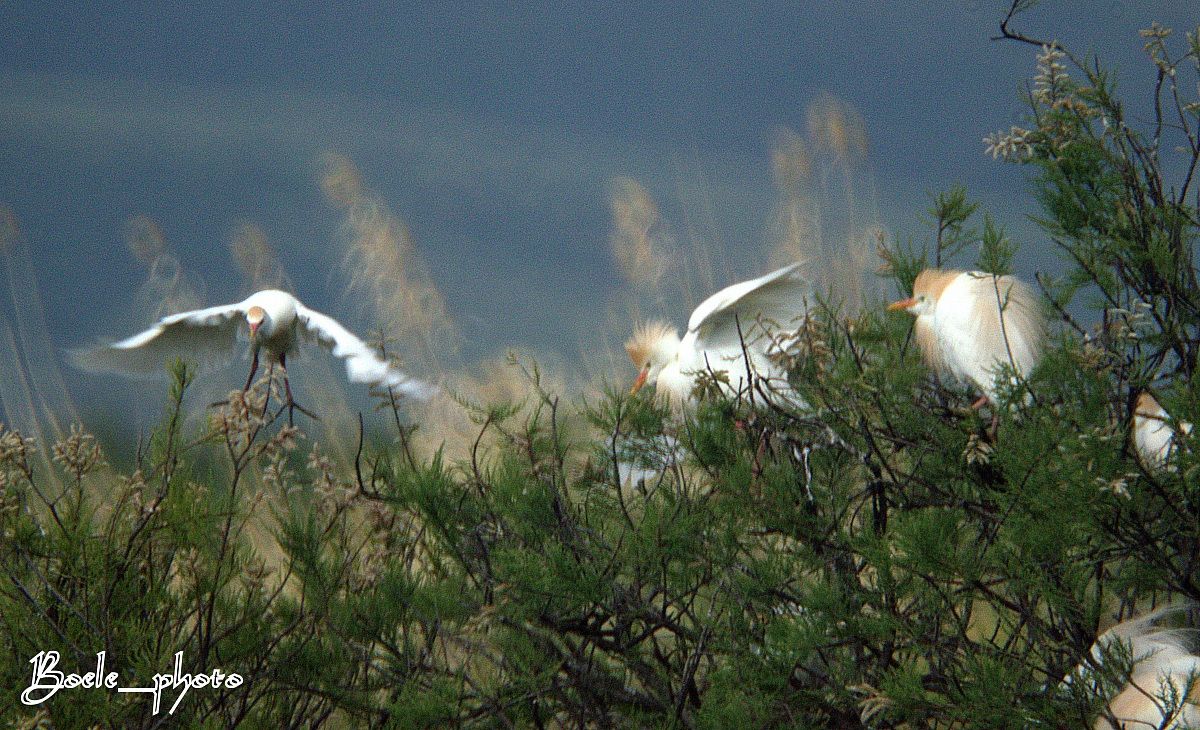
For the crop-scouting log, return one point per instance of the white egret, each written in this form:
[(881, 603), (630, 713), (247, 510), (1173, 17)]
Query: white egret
[(970, 323), (1154, 432), (728, 328), (1161, 689), (275, 322)]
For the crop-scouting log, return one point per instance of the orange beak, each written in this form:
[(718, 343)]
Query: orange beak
[(902, 304), (641, 380), (254, 328)]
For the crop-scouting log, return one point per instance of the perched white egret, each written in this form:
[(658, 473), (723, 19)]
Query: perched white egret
[(1161, 690), (275, 322), (969, 323), (713, 341), (1154, 432)]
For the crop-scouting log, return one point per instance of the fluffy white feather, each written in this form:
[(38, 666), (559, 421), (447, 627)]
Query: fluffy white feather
[(970, 323), (1154, 432), (1164, 672), (760, 307)]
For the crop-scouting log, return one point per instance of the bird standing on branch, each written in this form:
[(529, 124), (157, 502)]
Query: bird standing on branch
[(275, 322), (970, 323), (728, 328), (1154, 432)]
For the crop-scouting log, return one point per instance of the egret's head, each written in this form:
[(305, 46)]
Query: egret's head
[(927, 287), (255, 316), (1147, 406), (651, 348)]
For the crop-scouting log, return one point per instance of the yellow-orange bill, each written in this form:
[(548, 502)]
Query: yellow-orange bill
[(902, 304), (641, 380)]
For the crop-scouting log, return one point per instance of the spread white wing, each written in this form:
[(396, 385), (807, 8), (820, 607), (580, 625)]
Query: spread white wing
[(206, 337), (362, 364), (780, 299)]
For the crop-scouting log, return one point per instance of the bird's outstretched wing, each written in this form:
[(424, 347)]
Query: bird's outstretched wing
[(362, 364), (780, 298), (206, 337)]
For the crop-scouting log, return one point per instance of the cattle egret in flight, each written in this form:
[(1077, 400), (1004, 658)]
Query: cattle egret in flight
[(275, 322), (969, 323), (1154, 432), (725, 326)]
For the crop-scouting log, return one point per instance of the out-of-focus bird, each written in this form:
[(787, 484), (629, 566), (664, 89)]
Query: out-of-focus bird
[(713, 341), (274, 322), (1154, 432), (1161, 690), (969, 323)]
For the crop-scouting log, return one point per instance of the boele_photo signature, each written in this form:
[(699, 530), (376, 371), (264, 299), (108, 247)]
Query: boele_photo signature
[(48, 680)]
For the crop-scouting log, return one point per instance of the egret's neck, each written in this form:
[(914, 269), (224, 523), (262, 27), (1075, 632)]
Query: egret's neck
[(673, 384)]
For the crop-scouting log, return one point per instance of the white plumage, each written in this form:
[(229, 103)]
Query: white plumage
[(275, 322), (1160, 691), (1154, 432), (777, 301), (970, 323)]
